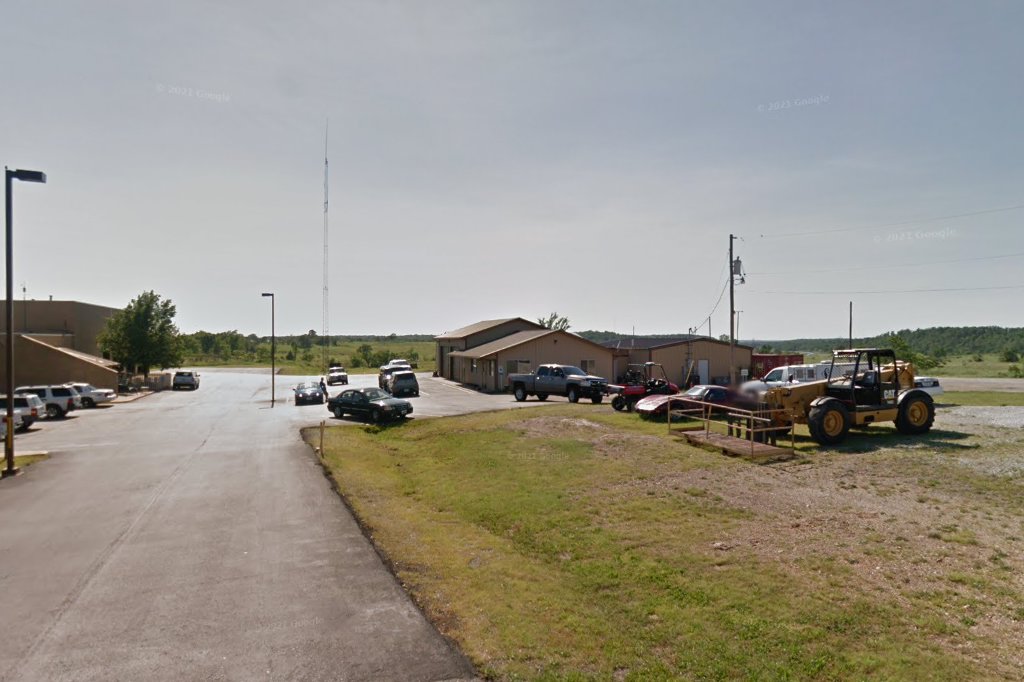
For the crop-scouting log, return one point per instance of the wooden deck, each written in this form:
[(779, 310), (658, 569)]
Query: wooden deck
[(761, 452)]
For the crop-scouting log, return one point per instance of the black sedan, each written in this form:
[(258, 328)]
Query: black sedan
[(309, 392), (369, 403)]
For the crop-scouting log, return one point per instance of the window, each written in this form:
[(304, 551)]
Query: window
[(588, 366), (543, 371)]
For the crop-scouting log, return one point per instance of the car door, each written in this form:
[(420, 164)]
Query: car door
[(357, 403)]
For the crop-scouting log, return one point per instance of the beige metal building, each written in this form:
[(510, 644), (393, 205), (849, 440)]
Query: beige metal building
[(488, 365), (475, 335), (700, 359), (56, 341)]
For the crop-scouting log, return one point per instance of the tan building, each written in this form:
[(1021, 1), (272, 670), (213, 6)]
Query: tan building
[(472, 336), (488, 365), (56, 341), (699, 359)]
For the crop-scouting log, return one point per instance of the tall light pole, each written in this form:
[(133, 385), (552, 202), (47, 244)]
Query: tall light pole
[(273, 349), (24, 176), (735, 270)]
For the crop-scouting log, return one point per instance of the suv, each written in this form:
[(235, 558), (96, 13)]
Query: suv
[(403, 381), (336, 375), (385, 374), (92, 396), (185, 379), (59, 400), (28, 407)]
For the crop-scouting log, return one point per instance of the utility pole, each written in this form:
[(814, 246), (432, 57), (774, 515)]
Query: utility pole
[(851, 324), (732, 317)]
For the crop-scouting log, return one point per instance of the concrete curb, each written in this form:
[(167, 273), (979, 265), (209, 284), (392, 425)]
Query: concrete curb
[(130, 397)]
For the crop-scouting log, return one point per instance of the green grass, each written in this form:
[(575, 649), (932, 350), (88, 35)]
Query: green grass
[(21, 461), (550, 548), (990, 366), (981, 398), (307, 362)]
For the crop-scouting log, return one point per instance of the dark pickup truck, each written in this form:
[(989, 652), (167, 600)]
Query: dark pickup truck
[(572, 382)]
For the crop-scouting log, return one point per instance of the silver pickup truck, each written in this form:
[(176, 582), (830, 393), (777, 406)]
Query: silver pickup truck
[(572, 382)]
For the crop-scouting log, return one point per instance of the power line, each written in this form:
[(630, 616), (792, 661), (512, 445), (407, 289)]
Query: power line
[(886, 291), (783, 235), (885, 267)]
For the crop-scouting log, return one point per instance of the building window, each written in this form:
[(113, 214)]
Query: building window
[(588, 366)]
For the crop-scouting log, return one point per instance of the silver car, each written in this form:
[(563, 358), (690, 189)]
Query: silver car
[(403, 383)]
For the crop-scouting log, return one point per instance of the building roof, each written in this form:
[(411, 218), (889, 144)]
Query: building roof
[(653, 342), (503, 343), (481, 326)]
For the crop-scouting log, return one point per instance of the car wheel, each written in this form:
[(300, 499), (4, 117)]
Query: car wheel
[(573, 395), (54, 412), (542, 397), (416, 394), (88, 402), (520, 393), (338, 412), (597, 399), (375, 416)]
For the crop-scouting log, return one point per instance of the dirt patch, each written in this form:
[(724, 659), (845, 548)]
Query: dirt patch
[(559, 427), (1010, 417)]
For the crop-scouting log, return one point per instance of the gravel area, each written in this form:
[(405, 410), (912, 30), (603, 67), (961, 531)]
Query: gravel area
[(1011, 417), (981, 384)]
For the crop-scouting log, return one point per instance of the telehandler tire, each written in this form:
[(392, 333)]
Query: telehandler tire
[(916, 414), (829, 422)]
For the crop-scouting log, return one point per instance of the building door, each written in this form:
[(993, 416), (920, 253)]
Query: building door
[(704, 370)]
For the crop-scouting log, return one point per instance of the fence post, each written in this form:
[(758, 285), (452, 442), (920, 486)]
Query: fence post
[(322, 422)]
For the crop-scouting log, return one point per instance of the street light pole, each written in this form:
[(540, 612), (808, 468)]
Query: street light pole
[(24, 176), (273, 348)]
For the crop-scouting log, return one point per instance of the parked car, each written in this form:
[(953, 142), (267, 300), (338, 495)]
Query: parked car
[(403, 383), (656, 405), (336, 374), (27, 406), (386, 371), (369, 403), (92, 396), (185, 379), (572, 382), (59, 400), (309, 392), (18, 426), (929, 385)]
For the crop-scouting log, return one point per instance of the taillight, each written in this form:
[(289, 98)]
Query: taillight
[(71, 403), (35, 412)]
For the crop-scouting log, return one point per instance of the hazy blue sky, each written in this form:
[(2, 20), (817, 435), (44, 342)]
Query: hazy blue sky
[(494, 159)]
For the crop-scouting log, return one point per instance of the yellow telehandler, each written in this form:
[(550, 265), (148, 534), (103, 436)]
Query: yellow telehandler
[(865, 386)]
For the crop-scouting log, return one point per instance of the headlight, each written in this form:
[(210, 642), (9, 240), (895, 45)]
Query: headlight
[(584, 383)]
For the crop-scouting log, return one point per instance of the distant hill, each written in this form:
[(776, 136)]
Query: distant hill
[(936, 341)]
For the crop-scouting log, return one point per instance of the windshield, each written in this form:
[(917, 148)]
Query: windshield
[(574, 371), (695, 392)]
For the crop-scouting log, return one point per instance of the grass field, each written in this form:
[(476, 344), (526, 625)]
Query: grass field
[(966, 366), (574, 542), (307, 362)]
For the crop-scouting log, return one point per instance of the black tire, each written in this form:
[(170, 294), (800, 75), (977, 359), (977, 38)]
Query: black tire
[(829, 422), (416, 394), (618, 403), (916, 414), (630, 404), (573, 394), (520, 393), (338, 412), (542, 397), (88, 402), (597, 399), (375, 416)]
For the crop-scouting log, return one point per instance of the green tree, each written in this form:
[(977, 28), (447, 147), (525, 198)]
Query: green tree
[(905, 352), (143, 335), (553, 321)]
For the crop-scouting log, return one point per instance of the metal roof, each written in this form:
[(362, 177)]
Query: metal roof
[(653, 342), (501, 344), (478, 327)]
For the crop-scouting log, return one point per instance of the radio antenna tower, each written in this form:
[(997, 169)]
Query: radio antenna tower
[(325, 332)]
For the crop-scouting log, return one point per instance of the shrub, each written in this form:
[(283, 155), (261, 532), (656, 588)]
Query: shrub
[(1015, 372), (1009, 355)]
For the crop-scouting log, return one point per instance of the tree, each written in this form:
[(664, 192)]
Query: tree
[(143, 335), (905, 352), (553, 321)]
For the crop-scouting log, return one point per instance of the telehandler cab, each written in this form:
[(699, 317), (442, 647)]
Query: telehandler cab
[(878, 388)]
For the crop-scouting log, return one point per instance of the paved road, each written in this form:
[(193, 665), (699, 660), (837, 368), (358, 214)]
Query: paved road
[(982, 384), (193, 536)]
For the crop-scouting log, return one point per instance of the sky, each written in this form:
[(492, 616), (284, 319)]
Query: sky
[(501, 159)]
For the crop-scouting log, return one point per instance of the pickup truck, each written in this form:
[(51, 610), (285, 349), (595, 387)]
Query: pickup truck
[(572, 382)]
